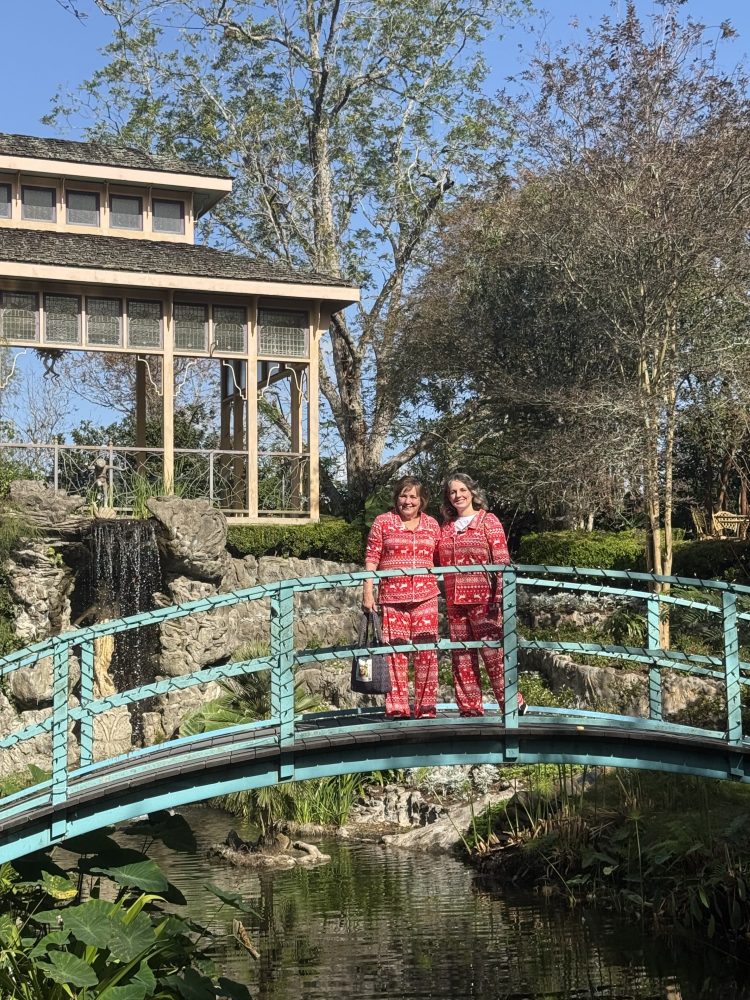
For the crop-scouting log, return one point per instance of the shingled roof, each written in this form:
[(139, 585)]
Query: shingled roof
[(100, 153), (111, 253)]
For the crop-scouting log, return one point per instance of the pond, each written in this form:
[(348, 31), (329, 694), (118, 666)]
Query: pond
[(378, 922)]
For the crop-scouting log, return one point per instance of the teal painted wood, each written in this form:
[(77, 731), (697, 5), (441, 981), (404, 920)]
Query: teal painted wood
[(61, 667), (87, 696), (732, 669), (282, 676), (653, 623), (73, 754), (510, 656)]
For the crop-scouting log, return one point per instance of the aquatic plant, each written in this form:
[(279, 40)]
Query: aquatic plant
[(100, 929)]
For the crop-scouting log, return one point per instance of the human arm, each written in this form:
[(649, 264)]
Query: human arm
[(373, 554), (497, 545)]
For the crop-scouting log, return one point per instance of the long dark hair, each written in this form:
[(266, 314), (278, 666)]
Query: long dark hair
[(478, 496)]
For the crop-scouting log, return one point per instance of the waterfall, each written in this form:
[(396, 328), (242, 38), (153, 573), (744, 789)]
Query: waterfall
[(124, 573)]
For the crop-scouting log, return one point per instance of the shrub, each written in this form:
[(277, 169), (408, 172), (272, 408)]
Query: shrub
[(719, 559), (332, 538), (597, 549)]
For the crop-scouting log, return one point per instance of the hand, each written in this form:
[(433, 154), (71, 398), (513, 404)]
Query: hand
[(369, 603)]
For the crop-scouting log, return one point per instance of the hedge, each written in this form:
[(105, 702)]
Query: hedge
[(597, 549), (331, 538), (717, 559)]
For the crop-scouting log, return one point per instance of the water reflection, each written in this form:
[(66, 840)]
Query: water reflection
[(378, 923)]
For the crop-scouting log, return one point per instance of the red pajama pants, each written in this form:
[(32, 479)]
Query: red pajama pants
[(476, 622), (411, 622)]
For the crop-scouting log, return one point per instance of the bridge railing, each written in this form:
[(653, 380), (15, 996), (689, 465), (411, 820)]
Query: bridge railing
[(69, 723)]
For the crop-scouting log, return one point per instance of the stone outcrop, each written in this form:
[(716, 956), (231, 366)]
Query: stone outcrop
[(40, 585), (192, 537), (47, 510), (609, 689)]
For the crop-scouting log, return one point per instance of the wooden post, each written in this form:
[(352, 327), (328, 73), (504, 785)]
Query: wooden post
[(252, 409), (167, 399), (140, 410), (319, 321), (296, 373), (239, 465)]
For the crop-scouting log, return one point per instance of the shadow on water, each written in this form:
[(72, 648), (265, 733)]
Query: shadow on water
[(379, 922)]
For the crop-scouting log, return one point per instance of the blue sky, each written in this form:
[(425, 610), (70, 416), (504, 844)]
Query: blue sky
[(46, 48)]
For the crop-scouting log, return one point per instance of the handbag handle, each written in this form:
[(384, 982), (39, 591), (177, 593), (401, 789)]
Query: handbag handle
[(369, 620), (374, 620)]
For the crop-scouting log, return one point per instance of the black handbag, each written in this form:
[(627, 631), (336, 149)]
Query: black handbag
[(370, 673)]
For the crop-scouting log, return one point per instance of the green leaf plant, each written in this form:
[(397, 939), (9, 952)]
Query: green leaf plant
[(100, 930)]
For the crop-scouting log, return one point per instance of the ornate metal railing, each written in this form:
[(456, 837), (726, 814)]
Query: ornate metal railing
[(69, 721), (122, 477)]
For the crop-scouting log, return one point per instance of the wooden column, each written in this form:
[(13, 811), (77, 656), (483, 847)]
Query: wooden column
[(239, 464), (296, 373), (140, 410), (252, 409), (319, 320), (167, 399)]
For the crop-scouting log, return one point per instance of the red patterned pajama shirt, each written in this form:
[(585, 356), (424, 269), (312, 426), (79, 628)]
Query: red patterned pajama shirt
[(473, 607), (409, 607)]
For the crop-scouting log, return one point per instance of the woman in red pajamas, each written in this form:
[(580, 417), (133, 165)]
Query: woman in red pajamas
[(472, 536), (406, 538)]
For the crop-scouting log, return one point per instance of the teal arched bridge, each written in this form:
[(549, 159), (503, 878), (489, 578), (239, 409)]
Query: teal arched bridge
[(80, 793)]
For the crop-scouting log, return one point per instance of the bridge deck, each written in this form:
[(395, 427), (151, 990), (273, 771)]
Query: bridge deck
[(336, 743), (83, 795)]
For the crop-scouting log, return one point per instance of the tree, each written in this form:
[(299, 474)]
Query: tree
[(346, 126), (630, 193), (550, 437)]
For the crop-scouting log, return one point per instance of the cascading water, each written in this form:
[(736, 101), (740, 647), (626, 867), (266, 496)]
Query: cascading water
[(124, 573)]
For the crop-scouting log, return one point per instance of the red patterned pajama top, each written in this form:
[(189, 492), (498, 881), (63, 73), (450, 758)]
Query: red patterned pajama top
[(483, 541), (390, 545)]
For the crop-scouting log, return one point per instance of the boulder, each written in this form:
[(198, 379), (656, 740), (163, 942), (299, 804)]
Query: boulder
[(192, 536), (49, 511), (31, 687), (40, 585)]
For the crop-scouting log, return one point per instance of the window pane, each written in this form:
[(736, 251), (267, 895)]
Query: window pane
[(229, 329), (125, 213), (282, 333), (83, 208), (103, 321), (5, 201), (189, 327), (18, 316), (169, 216), (38, 204), (144, 324), (62, 319)]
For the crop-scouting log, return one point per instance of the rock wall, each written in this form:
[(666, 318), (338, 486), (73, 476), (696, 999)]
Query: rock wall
[(43, 573)]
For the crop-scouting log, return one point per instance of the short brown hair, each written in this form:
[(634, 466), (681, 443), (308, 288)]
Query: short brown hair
[(405, 483)]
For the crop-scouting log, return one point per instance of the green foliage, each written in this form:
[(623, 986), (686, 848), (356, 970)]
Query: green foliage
[(12, 470), (713, 559), (8, 638), (536, 692), (53, 946), (669, 849), (332, 538), (599, 549)]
